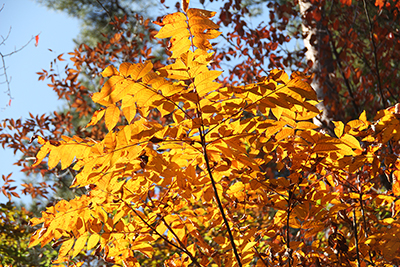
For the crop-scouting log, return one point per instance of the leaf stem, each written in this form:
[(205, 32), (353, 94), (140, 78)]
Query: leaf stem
[(221, 208)]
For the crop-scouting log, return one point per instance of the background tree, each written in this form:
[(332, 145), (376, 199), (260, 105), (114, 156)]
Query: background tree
[(350, 49), (15, 234), (95, 16)]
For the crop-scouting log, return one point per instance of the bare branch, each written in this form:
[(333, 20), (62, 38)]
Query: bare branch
[(7, 78)]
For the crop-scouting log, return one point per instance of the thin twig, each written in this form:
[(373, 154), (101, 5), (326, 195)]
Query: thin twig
[(176, 237), (365, 228), (108, 12), (3, 56), (221, 208), (180, 242), (241, 51), (356, 238), (289, 209), (182, 249), (371, 35), (346, 81)]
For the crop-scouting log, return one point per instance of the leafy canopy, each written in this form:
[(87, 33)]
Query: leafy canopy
[(197, 190)]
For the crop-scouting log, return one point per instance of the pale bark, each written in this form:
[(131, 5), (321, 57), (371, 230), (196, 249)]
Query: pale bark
[(319, 53)]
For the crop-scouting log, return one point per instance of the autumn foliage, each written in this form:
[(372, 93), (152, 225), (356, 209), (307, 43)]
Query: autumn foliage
[(181, 165), (232, 176)]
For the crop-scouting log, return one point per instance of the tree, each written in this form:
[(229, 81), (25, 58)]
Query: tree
[(14, 239), (196, 188), (96, 16), (352, 63), (343, 49)]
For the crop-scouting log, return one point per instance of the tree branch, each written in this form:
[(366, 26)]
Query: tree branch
[(7, 79), (289, 210), (375, 55), (217, 199), (346, 81), (356, 238)]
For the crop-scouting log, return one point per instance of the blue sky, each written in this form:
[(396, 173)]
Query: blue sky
[(57, 30)]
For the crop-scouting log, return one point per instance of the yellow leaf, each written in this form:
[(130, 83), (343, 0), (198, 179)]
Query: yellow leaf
[(305, 125), (135, 71), (66, 247), (388, 220), (277, 112), (161, 228), (112, 117), (121, 89), (339, 126), (279, 76), (54, 157), (44, 150), (351, 141), (302, 88), (97, 115), (363, 117), (173, 24), (110, 71), (144, 248), (284, 133), (68, 152), (93, 240), (129, 110), (79, 245), (203, 82), (41, 140), (249, 246), (101, 97), (193, 12)]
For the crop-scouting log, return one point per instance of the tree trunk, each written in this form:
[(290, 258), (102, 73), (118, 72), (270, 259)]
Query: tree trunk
[(319, 55)]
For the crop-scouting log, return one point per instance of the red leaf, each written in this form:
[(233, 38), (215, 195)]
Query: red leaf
[(37, 40), (346, 2), (379, 3)]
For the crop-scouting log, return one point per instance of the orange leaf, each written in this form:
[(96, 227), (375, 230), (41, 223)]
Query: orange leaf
[(396, 188)]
